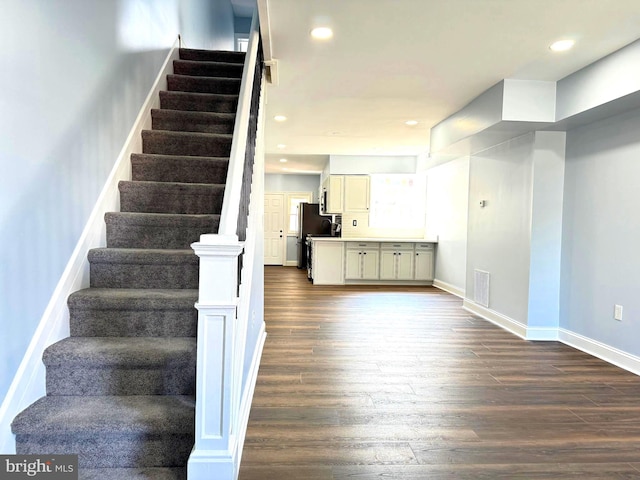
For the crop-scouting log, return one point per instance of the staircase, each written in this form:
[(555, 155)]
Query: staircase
[(120, 389)]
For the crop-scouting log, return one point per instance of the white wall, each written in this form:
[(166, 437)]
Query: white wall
[(75, 74), (292, 183), (207, 24), (546, 229), (498, 234), (601, 234), (369, 164), (446, 219)]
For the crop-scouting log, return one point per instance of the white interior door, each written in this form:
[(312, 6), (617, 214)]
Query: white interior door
[(274, 229)]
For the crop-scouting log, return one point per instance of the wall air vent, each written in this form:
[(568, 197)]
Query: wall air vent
[(481, 288)]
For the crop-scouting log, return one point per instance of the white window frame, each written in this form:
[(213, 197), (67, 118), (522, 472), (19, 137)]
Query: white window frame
[(241, 42), (289, 197)]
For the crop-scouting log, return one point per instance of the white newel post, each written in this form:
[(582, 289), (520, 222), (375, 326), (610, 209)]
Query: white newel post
[(214, 452)]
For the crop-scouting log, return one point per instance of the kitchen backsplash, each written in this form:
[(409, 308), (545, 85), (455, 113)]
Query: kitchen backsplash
[(361, 228)]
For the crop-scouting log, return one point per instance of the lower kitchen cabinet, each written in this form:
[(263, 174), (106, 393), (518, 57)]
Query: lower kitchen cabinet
[(338, 262), (362, 261), (396, 261), (424, 262), (327, 266)]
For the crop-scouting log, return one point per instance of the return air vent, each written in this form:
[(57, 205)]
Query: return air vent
[(481, 288)]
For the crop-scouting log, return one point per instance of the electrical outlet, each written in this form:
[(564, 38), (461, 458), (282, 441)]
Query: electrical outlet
[(617, 312)]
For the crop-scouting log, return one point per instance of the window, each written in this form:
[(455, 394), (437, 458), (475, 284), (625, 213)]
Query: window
[(242, 43), (293, 200), (397, 201)]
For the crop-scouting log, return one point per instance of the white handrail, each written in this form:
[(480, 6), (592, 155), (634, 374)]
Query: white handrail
[(233, 188)]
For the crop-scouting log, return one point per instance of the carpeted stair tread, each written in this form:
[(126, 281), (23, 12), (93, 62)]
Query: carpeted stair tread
[(167, 142), (188, 83), (115, 450), (131, 312), (145, 256), (211, 55), (133, 299), (208, 68), (199, 102), (133, 474), (169, 197), (143, 268), (178, 169), (133, 414), (121, 366), (157, 230), (109, 351), (185, 121)]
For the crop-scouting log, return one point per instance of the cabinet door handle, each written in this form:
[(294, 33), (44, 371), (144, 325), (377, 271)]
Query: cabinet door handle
[(364, 253), (399, 253)]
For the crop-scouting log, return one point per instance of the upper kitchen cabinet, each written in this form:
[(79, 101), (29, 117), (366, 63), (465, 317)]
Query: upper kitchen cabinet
[(332, 191), (356, 193), (345, 194)]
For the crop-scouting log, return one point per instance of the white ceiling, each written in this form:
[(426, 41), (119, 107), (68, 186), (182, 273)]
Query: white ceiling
[(395, 60)]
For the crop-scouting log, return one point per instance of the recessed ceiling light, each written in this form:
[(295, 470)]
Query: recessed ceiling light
[(411, 123), (279, 118), (283, 160), (322, 33), (562, 45), (281, 145)]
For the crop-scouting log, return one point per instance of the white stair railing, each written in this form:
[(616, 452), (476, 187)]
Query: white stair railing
[(223, 302)]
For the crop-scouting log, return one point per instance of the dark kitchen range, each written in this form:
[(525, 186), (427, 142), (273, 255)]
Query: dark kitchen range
[(311, 223)]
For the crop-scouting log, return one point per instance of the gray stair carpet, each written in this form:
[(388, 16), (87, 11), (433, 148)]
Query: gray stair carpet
[(120, 389)]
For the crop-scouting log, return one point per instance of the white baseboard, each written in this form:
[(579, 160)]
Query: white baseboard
[(448, 287), (598, 349), (496, 318), (543, 334), (29, 382), (290, 263), (517, 328), (603, 351)]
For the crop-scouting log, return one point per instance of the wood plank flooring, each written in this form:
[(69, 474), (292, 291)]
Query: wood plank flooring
[(401, 383)]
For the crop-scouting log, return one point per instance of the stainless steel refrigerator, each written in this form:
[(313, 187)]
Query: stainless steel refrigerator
[(310, 222)]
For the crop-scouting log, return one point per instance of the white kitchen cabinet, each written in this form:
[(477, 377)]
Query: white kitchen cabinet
[(387, 265), (333, 189), (423, 260), (353, 264), (370, 261), (362, 261), (327, 263), (404, 266), (396, 261), (356, 193)]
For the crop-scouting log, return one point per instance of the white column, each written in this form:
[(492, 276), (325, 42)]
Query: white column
[(214, 449)]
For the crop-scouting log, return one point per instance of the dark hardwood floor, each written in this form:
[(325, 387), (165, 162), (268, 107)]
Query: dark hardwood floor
[(401, 383)]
